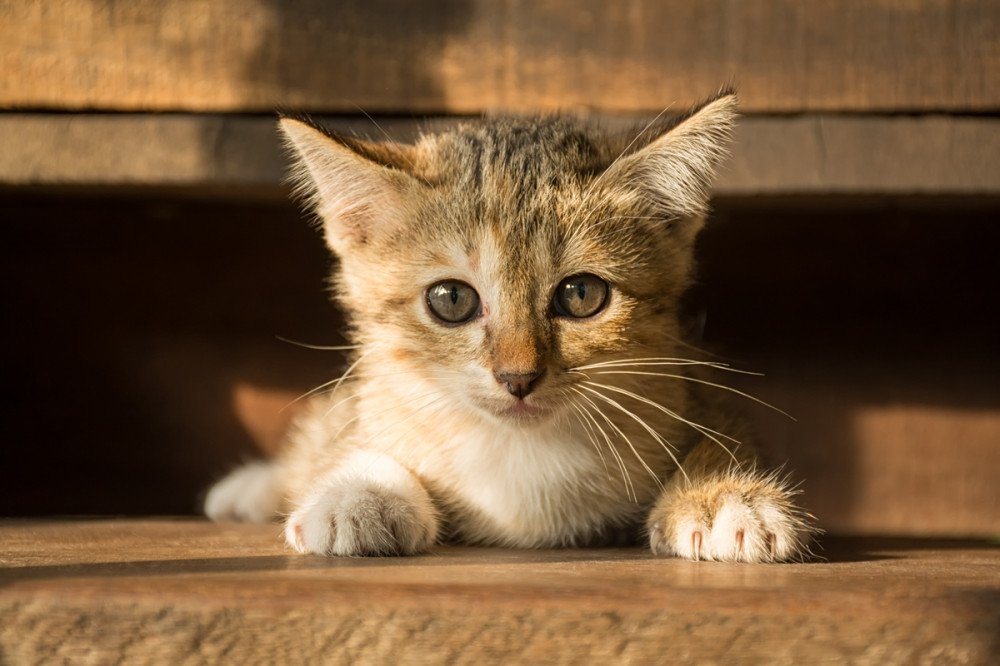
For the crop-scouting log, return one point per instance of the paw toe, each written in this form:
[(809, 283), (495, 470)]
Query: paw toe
[(723, 521)]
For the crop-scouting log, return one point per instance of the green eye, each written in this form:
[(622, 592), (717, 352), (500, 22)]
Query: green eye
[(580, 296), (453, 302)]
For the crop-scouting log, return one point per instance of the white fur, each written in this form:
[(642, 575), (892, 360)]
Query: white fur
[(251, 493), (369, 505), (531, 485)]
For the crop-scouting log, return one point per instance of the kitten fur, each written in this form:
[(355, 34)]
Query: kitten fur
[(522, 426)]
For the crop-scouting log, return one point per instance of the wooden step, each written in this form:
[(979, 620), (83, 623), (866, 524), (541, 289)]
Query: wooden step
[(187, 591), (771, 155)]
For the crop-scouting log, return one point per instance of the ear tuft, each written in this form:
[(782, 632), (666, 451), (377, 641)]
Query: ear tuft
[(357, 199), (677, 168)]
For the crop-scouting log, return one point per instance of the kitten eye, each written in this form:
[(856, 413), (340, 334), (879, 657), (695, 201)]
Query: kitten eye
[(452, 302), (580, 296)]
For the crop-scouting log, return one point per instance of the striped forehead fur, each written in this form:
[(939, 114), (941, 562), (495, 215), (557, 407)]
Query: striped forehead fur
[(513, 166), (543, 191)]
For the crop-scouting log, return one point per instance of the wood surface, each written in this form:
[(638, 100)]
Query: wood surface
[(186, 592), (470, 55), (813, 154)]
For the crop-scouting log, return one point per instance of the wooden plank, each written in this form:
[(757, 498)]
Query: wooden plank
[(812, 154), (191, 592), (383, 56)]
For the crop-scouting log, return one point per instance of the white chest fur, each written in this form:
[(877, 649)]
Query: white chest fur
[(529, 486)]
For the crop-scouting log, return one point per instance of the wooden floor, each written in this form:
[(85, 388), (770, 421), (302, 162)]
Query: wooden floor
[(182, 591)]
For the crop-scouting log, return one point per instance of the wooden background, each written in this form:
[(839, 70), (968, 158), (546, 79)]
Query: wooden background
[(150, 255), (466, 56)]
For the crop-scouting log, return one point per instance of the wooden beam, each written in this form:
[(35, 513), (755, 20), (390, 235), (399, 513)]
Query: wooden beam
[(383, 56), (772, 155)]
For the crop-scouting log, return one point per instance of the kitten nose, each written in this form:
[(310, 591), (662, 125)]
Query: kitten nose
[(518, 384)]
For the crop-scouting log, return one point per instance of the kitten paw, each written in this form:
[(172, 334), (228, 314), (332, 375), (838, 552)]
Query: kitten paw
[(359, 516), (248, 494), (739, 517)]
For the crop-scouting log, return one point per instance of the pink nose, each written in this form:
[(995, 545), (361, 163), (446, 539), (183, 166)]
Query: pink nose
[(518, 384)]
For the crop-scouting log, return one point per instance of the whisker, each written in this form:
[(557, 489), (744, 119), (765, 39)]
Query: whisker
[(704, 430), (625, 150), (626, 477), (587, 208), (437, 396), (335, 383), (393, 142), (591, 435), (628, 441), (698, 381), (422, 373), (407, 400), (661, 361), (306, 345), (333, 407), (622, 217), (655, 435)]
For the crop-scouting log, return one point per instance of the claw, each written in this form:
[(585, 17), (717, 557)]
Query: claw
[(696, 545), (740, 535), (656, 538), (771, 544)]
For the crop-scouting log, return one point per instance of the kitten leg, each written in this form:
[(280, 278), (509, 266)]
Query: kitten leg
[(251, 493), (729, 513), (369, 505)]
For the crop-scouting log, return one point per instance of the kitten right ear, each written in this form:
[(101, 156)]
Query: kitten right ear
[(357, 188)]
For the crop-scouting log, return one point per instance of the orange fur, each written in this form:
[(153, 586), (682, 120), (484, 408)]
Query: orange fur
[(522, 424)]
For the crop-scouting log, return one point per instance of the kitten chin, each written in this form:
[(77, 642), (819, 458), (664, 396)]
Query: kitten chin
[(517, 379)]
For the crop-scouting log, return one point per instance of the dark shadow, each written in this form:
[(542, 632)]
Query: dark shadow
[(381, 56), (853, 303), (450, 556), (129, 320)]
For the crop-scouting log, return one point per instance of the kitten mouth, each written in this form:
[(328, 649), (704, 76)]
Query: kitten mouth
[(519, 410)]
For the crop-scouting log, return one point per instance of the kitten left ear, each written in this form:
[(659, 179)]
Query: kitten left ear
[(678, 167), (359, 189)]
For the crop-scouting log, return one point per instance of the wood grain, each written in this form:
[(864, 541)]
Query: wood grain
[(470, 55), (191, 592)]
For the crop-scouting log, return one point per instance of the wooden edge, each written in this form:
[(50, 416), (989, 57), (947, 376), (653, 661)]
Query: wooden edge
[(811, 154)]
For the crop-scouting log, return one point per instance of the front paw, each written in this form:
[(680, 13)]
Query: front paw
[(736, 517), (372, 506)]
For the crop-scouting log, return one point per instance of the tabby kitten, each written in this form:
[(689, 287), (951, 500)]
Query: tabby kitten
[(512, 291)]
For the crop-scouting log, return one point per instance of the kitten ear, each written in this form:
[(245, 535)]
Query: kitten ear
[(358, 188), (677, 167)]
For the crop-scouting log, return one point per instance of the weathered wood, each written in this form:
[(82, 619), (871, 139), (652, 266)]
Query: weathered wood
[(771, 155), (787, 56), (191, 592)]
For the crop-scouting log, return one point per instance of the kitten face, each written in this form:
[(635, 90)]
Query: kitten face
[(494, 261)]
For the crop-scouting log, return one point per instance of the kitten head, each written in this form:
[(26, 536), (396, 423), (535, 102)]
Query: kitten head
[(499, 259)]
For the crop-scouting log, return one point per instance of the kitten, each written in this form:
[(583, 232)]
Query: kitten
[(512, 290)]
